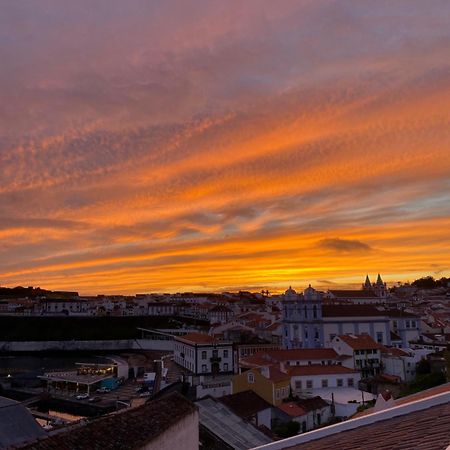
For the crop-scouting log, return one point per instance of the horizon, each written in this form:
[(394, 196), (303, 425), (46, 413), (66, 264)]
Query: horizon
[(211, 146), (252, 289)]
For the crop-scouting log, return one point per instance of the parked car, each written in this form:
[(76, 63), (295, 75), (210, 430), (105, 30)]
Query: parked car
[(103, 390), (95, 399), (82, 396), (145, 394)]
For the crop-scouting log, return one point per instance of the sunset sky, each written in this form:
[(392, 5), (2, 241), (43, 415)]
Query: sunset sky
[(215, 145)]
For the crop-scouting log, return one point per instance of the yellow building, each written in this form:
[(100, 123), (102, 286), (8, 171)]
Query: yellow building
[(268, 382)]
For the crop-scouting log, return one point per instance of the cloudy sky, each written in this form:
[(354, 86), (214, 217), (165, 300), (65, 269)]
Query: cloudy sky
[(211, 145)]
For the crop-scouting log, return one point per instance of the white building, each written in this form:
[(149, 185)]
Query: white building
[(364, 351), (201, 354)]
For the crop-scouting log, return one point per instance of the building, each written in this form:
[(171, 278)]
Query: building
[(201, 354), (166, 424), (307, 380), (420, 425), (405, 325), (268, 382), (365, 352), (310, 413), (250, 407), (308, 323), (87, 378)]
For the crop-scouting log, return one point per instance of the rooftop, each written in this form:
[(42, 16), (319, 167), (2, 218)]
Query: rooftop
[(292, 409), (420, 425), (219, 420), (197, 338), (128, 429), (360, 341), (245, 404)]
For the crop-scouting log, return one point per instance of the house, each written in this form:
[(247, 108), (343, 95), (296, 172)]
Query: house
[(168, 423), (365, 351), (305, 380), (310, 413), (202, 354), (421, 425), (250, 407), (405, 325), (268, 382)]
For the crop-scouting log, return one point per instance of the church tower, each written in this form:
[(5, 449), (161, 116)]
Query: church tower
[(302, 319)]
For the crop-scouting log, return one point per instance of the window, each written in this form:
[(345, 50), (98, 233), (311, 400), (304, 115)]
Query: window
[(324, 383), (379, 337), (413, 324), (215, 353), (356, 352), (408, 324), (309, 384), (203, 354), (225, 353), (340, 382), (315, 312), (204, 369), (298, 384), (250, 377), (350, 382), (225, 367)]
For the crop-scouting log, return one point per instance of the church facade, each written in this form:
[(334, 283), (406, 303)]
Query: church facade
[(308, 323)]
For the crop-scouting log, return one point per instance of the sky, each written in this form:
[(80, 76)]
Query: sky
[(150, 146)]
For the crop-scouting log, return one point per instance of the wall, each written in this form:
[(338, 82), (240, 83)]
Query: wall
[(75, 345), (183, 435)]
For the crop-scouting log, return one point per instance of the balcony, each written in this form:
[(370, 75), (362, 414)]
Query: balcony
[(215, 359)]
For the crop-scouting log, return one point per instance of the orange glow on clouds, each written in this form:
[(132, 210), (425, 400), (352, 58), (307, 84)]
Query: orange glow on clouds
[(160, 147)]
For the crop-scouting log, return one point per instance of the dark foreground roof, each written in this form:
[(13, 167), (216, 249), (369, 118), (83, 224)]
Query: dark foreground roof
[(129, 429), (245, 404), (428, 429), (17, 425)]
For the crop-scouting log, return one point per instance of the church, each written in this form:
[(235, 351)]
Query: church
[(308, 323)]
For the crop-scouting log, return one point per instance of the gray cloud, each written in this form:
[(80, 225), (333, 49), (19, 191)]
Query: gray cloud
[(344, 245)]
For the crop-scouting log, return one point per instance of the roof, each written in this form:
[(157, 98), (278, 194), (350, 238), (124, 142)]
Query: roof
[(398, 313), (129, 429), (352, 311), (17, 425), (360, 341), (219, 420), (276, 375), (245, 404), (197, 338), (292, 409), (300, 354), (442, 388), (312, 403), (423, 425), (319, 369)]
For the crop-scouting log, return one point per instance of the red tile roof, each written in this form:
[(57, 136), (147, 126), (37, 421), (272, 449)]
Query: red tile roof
[(360, 341), (427, 429), (197, 338), (300, 354), (292, 409), (319, 369)]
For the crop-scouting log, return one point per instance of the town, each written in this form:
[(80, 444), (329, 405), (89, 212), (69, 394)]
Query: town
[(230, 370)]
